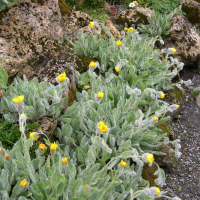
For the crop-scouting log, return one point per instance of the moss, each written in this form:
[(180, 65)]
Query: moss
[(64, 8), (72, 96), (191, 13), (165, 127), (177, 94), (83, 63), (148, 174)]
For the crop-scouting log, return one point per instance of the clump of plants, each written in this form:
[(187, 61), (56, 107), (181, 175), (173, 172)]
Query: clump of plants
[(106, 137)]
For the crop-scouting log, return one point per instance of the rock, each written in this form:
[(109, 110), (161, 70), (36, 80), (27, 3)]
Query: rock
[(198, 100), (106, 6), (184, 39), (112, 28), (47, 126), (192, 10), (136, 16), (168, 161), (32, 34)]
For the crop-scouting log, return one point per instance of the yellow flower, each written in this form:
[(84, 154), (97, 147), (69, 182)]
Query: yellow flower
[(173, 50), (177, 106), (24, 183), (42, 147), (18, 99), (23, 115), (149, 158), (125, 29), (157, 190), (119, 43), (130, 29), (6, 156), (53, 146), (64, 160), (1, 150), (162, 95), (117, 69), (155, 118), (102, 127), (92, 64), (34, 135), (100, 94), (123, 163), (135, 2), (85, 186), (91, 24), (61, 77)]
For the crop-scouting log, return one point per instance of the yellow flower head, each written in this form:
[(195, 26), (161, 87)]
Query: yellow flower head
[(130, 29), (155, 118), (91, 24), (117, 69), (42, 147), (34, 135), (92, 64), (24, 183), (123, 163), (173, 50), (85, 186), (135, 2), (23, 115), (18, 99), (100, 94), (6, 156), (149, 158), (1, 150), (102, 127), (125, 29), (61, 77), (53, 146), (64, 160), (157, 190), (177, 106), (162, 95), (119, 43)]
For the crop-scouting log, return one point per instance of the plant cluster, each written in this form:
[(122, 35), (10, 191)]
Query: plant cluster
[(41, 99), (5, 3), (86, 3), (161, 6), (158, 24), (106, 137)]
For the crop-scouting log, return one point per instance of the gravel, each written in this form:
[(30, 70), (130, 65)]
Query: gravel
[(184, 180)]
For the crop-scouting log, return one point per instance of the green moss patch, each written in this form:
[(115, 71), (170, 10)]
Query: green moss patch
[(64, 8)]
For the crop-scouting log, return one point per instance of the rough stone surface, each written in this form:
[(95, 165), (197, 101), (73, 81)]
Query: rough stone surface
[(198, 100), (112, 28), (31, 34), (47, 126), (192, 10), (166, 161), (185, 40), (136, 16)]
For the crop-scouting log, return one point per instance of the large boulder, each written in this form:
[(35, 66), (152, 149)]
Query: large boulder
[(136, 16), (192, 10), (183, 37), (32, 31)]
